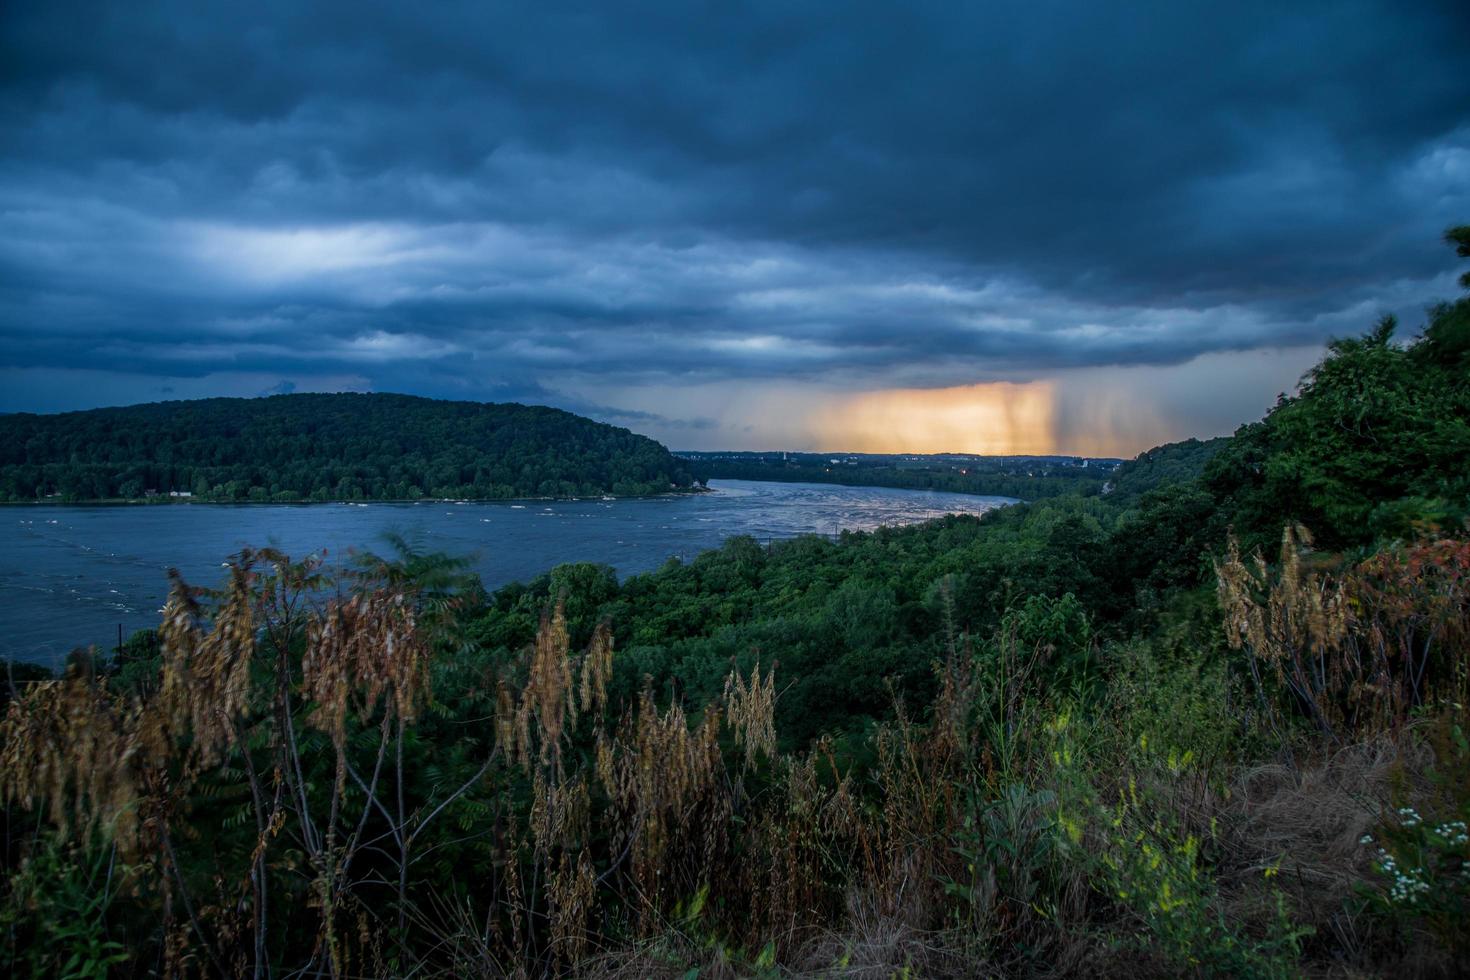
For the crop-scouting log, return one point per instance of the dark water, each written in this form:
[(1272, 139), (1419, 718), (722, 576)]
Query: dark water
[(70, 575)]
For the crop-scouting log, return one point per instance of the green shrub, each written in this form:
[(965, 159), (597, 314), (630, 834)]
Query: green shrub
[(1422, 863), (53, 913)]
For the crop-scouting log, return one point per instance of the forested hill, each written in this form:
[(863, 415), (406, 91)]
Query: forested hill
[(1175, 462), (1028, 477), (327, 447)]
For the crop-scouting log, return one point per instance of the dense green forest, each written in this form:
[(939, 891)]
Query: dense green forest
[(1210, 723), (326, 447), (1023, 477), (1178, 462)]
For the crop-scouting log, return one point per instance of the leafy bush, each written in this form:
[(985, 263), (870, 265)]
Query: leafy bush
[(54, 913), (1422, 861)]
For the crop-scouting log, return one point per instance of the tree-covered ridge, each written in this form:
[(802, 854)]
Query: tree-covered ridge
[(1376, 442), (327, 447), (1175, 462), (1025, 477)]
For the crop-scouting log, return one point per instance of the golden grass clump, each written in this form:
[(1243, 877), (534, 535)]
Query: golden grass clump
[(361, 649), (1301, 613), (560, 810), (70, 745), (205, 682), (1294, 623), (750, 709), (572, 895), (1357, 648), (670, 799), (533, 724), (810, 845), (597, 670), (547, 696)]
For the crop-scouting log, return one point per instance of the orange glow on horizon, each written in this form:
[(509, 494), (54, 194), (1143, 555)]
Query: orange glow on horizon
[(996, 419)]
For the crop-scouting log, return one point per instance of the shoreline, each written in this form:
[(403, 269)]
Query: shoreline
[(200, 501), (690, 492), (38, 649)]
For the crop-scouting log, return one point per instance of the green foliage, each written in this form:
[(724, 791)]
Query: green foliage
[(1172, 463), (327, 447), (1422, 861), (1178, 704), (1459, 238), (1424, 866), (1375, 423), (847, 620), (1059, 629), (1132, 808), (53, 914), (134, 667), (1156, 871), (1158, 543), (1010, 846)]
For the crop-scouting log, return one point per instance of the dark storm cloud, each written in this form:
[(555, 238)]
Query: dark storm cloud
[(496, 200)]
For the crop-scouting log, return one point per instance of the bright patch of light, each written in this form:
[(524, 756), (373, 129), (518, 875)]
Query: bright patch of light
[(1000, 419), (276, 255)]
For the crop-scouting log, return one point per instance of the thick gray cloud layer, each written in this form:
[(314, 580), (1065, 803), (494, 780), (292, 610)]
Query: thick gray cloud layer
[(547, 202)]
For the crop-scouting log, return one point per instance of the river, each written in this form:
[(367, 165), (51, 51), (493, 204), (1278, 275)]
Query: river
[(69, 576)]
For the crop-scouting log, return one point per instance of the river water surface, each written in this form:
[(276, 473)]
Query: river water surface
[(69, 576)]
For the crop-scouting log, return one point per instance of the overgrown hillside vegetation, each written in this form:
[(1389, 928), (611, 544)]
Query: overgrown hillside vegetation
[(1213, 723), (327, 447)]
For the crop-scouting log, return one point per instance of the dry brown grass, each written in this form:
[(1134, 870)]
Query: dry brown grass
[(1307, 820), (1359, 649)]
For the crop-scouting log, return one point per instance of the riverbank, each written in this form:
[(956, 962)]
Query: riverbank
[(70, 574), (168, 501)]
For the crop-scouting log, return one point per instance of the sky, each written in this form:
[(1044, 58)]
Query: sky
[(1004, 227)]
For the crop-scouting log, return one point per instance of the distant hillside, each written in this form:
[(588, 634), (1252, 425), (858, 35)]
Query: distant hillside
[(326, 447), (1027, 477), (1174, 462)]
